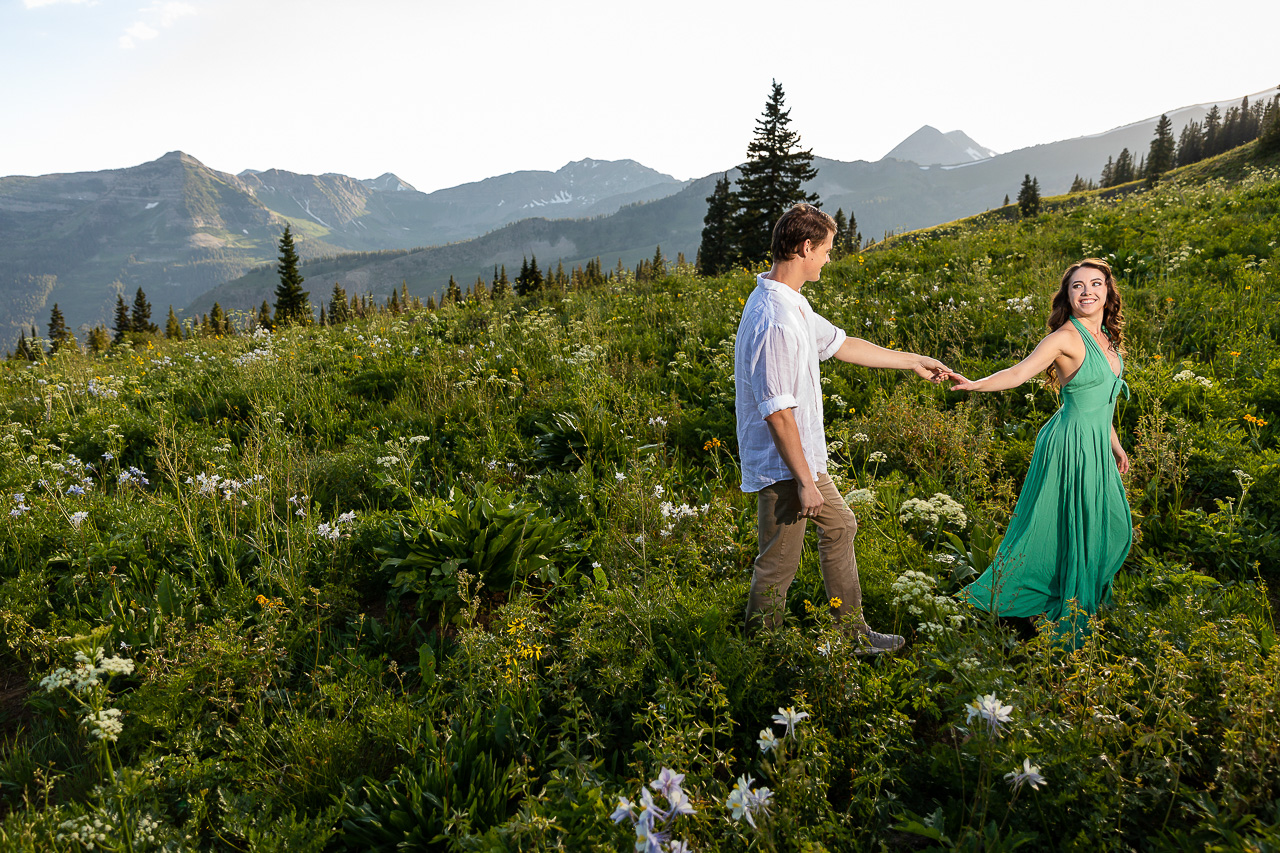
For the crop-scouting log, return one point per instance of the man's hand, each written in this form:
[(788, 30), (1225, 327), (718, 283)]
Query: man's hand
[(810, 499), (931, 369)]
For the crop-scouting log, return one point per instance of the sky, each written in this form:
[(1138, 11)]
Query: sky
[(447, 93)]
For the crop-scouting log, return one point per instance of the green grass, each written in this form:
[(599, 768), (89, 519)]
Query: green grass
[(289, 692)]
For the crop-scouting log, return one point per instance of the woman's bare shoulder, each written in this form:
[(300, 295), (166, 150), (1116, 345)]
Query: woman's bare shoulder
[(1066, 338)]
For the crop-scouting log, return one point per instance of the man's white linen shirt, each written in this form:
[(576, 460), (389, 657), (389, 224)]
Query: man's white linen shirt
[(780, 342)]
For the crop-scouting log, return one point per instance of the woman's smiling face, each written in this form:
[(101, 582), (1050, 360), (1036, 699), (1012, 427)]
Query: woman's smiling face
[(1087, 291)]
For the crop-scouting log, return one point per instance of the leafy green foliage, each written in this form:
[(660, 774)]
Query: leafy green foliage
[(573, 451), (495, 538)]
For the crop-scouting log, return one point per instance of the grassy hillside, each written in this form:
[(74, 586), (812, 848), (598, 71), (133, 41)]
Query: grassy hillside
[(461, 580)]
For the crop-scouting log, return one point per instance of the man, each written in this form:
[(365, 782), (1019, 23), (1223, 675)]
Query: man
[(781, 441)]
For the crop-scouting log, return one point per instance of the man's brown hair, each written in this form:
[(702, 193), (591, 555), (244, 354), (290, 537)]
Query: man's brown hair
[(802, 222)]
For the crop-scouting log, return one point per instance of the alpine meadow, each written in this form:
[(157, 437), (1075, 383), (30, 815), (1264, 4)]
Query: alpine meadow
[(473, 578)]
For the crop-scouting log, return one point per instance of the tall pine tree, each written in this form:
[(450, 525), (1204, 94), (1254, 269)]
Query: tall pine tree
[(140, 320), (1029, 196), (1160, 155), (123, 325), (59, 335), (772, 179), (718, 251), (292, 305)]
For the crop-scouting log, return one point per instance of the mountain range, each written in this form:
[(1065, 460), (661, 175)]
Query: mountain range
[(190, 235)]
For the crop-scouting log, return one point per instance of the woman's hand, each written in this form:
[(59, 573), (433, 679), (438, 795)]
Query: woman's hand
[(961, 384), (1122, 459)]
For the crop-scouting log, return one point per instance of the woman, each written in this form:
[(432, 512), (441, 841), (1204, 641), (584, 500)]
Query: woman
[(1071, 529)]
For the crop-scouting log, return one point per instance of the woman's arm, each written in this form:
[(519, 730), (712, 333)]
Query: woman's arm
[(1055, 344), (1122, 458)]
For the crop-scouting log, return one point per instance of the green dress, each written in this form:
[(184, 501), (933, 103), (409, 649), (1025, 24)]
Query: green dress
[(1071, 529)]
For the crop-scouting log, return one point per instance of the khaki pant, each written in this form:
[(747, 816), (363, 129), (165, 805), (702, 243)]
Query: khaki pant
[(780, 530)]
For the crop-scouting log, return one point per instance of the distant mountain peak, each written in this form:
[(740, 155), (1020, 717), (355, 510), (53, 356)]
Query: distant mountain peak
[(388, 182), (930, 146)]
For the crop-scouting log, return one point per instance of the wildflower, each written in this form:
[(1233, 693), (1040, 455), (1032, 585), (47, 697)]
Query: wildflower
[(789, 717), (331, 533), (767, 740), (658, 422), (625, 809), (658, 491), (744, 801), (668, 785), (938, 509), (77, 519), (989, 710), (860, 437), (1030, 774), (619, 476), (711, 444), (105, 724), (878, 456), (1244, 479), (835, 602), (76, 490)]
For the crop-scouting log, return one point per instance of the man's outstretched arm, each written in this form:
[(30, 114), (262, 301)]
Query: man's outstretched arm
[(866, 354)]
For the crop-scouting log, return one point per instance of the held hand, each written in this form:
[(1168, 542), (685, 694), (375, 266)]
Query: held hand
[(1122, 459), (961, 384), (931, 369), (810, 500)]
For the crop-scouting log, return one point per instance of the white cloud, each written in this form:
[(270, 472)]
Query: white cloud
[(161, 14), (171, 12), (36, 4)]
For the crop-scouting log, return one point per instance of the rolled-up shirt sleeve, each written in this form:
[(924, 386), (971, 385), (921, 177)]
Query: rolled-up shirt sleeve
[(773, 370), (829, 337)]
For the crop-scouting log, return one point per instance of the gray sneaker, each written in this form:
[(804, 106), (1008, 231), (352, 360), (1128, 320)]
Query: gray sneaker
[(868, 642)]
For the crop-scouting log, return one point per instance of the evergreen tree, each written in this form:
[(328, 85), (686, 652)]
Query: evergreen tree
[(123, 325), (140, 319), (658, 266), (339, 312), (772, 180), (172, 328), (717, 252), (501, 286), (264, 317), (1123, 172), (431, 303), (1160, 155), (218, 323), (1190, 144), (452, 293), (292, 304), (839, 245), (1213, 132), (1006, 204), (1108, 173), (324, 318), (1269, 132), (59, 335), (1029, 196), (99, 339), (1077, 185), (480, 289), (24, 350)]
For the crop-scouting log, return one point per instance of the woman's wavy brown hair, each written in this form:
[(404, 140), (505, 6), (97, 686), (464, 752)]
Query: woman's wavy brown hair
[(1112, 310)]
